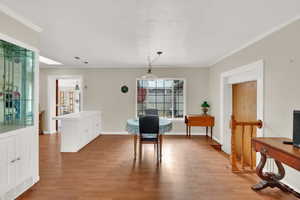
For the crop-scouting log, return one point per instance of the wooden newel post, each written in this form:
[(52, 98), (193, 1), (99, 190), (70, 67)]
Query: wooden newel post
[(233, 125), (234, 167)]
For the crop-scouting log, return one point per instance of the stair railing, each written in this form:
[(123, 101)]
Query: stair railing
[(234, 161)]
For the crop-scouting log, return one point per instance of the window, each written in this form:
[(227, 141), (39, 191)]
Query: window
[(165, 95)]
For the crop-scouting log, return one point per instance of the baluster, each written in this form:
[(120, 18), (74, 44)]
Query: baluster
[(243, 148), (251, 150), (234, 167)]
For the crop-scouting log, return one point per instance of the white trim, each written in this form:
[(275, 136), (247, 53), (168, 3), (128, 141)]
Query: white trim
[(184, 96), (291, 186), (256, 39), (36, 179), (114, 133), (181, 133), (250, 72), (18, 43), (216, 139), (20, 18)]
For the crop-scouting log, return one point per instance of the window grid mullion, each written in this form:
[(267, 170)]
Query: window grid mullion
[(172, 99), (164, 98)]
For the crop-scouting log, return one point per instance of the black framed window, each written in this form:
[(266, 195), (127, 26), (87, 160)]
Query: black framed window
[(165, 95)]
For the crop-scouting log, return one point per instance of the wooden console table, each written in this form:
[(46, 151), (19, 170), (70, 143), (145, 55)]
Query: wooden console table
[(281, 153), (199, 120)]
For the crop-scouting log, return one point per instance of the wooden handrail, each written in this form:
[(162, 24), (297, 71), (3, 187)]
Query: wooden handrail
[(234, 124), (257, 123)]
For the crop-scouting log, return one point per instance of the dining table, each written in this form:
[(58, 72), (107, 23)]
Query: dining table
[(132, 127)]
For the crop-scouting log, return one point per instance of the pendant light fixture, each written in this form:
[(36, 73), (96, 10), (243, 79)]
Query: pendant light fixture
[(149, 75)]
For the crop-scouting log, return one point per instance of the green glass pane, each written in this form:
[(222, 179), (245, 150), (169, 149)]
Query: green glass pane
[(16, 86)]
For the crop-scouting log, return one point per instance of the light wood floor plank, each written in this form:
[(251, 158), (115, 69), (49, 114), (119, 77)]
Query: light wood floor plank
[(105, 169)]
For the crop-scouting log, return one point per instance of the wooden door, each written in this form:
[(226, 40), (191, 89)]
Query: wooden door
[(244, 109)]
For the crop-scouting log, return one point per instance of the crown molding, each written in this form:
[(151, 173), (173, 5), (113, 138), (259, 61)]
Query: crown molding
[(20, 18), (17, 42), (256, 39)]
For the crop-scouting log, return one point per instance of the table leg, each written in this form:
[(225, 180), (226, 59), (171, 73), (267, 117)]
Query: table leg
[(206, 131), (135, 144), (270, 179), (140, 150), (187, 130), (211, 132), (190, 127), (160, 146)]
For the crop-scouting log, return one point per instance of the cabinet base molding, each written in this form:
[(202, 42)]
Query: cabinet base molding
[(18, 190)]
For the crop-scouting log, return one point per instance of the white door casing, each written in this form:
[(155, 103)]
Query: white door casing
[(250, 72), (51, 99)]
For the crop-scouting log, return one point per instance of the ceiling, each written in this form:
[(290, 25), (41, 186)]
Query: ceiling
[(122, 33)]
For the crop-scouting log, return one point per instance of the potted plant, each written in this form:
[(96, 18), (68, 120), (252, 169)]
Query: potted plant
[(205, 107)]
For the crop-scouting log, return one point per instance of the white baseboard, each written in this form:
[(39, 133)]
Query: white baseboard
[(217, 140), (180, 133), (126, 133), (294, 188), (48, 132), (114, 133)]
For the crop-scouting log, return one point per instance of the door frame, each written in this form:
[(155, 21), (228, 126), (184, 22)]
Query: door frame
[(250, 72), (51, 99)]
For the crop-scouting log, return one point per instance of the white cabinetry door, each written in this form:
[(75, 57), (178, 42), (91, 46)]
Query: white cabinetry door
[(7, 163), (17, 162), (83, 132), (90, 128), (97, 126), (23, 157)]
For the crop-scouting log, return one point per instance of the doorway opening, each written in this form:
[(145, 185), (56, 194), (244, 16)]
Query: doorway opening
[(244, 105), (64, 97), (237, 83)]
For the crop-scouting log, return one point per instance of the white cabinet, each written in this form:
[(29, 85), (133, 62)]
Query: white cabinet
[(7, 165), (23, 157), (79, 129), (16, 164)]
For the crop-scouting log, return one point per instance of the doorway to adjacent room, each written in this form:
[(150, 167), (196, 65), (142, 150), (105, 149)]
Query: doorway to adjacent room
[(64, 97), (68, 97), (244, 104), (242, 96)]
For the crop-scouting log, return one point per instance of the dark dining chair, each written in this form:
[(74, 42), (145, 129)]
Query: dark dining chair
[(149, 133), (151, 111)]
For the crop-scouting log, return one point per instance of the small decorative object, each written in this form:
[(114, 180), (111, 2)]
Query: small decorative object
[(205, 107), (124, 89)]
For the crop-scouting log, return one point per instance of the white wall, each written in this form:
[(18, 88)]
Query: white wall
[(104, 92), (68, 84), (18, 31), (281, 54)]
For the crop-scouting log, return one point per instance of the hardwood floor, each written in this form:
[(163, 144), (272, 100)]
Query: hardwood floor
[(105, 169)]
